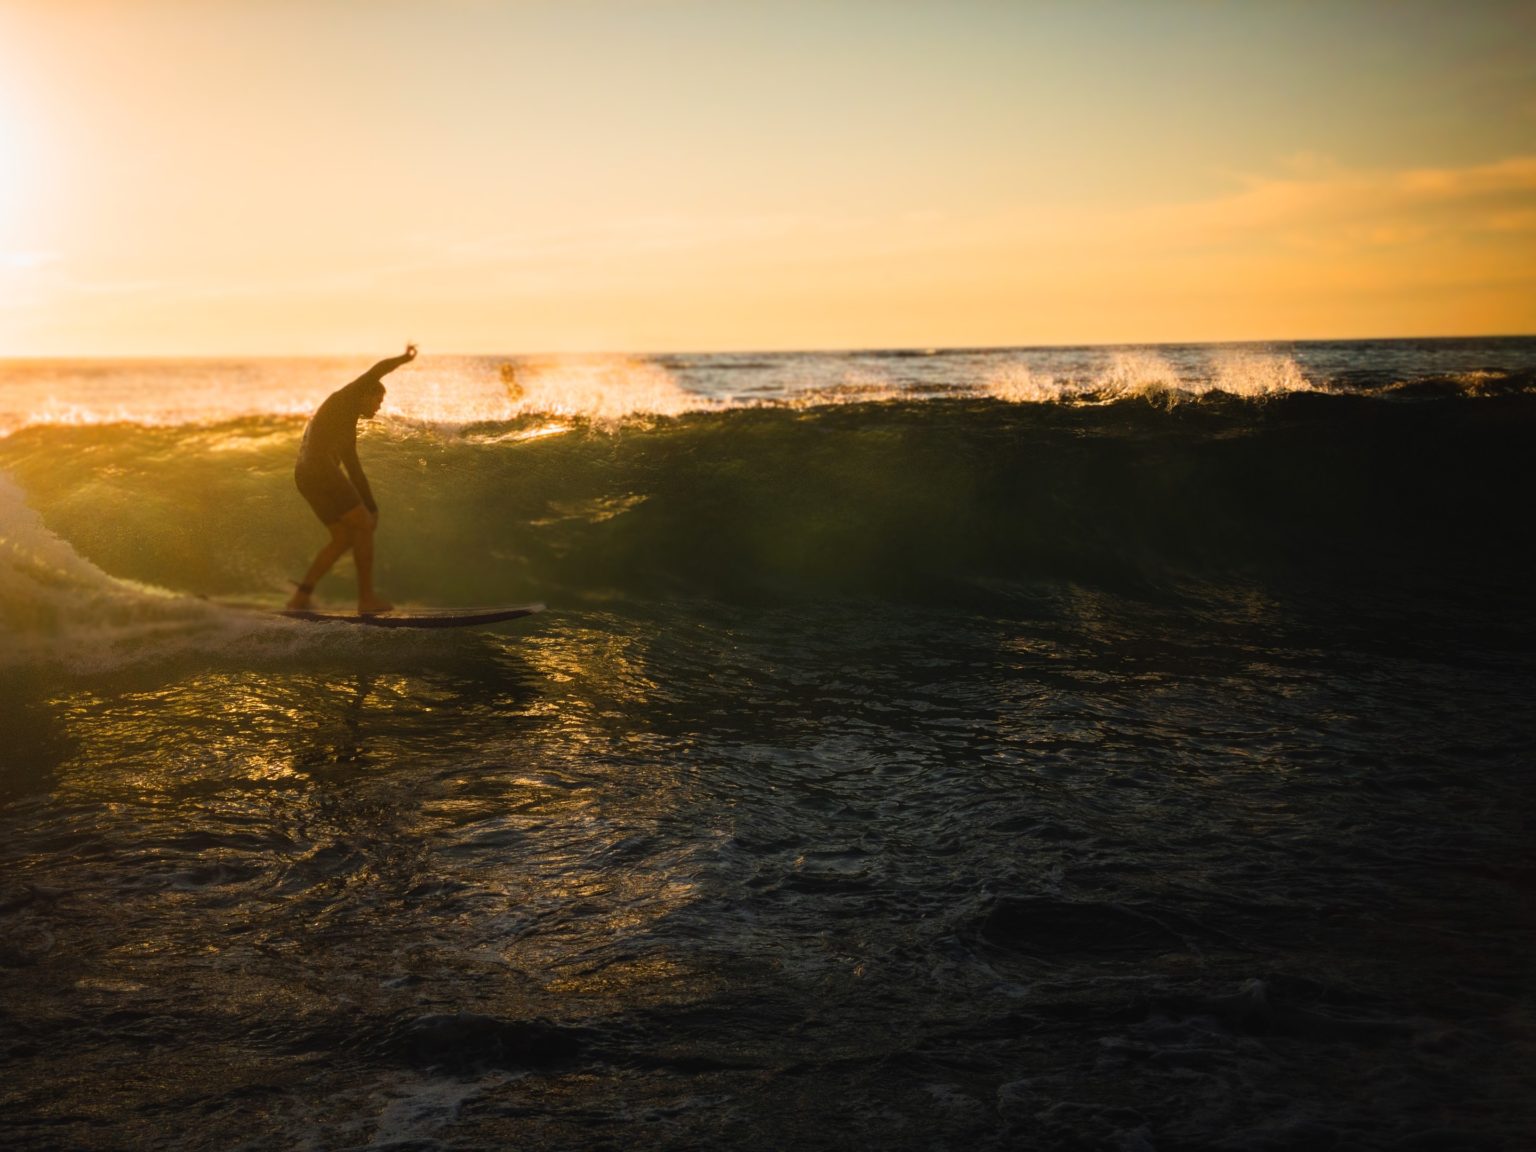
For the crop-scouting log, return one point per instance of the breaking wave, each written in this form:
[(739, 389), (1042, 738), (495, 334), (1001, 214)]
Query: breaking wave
[(915, 500)]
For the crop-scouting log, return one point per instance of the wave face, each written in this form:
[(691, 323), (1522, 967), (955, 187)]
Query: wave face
[(909, 499)]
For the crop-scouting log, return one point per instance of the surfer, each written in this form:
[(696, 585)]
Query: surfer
[(343, 501)]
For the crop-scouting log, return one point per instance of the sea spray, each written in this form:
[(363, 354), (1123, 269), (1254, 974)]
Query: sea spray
[(1243, 372)]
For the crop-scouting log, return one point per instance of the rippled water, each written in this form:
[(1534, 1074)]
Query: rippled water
[(843, 875)]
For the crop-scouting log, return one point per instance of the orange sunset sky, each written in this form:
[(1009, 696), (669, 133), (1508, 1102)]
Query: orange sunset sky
[(202, 177)]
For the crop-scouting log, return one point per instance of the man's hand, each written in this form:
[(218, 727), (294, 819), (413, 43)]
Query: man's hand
[(410, 351)]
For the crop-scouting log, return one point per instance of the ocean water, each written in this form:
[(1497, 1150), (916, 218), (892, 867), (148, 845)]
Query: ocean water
[(1042, 748)]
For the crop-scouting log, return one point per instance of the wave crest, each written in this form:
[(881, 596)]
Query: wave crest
[(605, 390), (1146, 375)]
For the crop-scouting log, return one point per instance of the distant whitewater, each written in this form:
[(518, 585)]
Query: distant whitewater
[(456, 390)]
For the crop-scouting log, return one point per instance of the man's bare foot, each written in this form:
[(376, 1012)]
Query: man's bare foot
[(374, 606), (301, 600)]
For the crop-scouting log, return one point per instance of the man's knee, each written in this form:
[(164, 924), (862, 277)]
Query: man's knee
[(358, 522), (352, 526)]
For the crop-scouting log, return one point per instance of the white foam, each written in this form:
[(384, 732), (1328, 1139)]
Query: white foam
[(60, 611), (604, 389), (1017, 383), (1139, 372), (1136, 373), (1145, 374), (1240, 372)]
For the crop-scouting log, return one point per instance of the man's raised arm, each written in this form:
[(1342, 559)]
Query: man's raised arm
[(384, 367)]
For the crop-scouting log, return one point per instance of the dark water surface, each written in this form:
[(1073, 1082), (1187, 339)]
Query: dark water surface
[(842, 877), (901, 774)]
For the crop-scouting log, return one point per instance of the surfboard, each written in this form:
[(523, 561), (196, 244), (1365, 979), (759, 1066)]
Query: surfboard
[(418, 617)]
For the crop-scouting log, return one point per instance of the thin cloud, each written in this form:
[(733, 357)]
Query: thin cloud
[(1369, 207)]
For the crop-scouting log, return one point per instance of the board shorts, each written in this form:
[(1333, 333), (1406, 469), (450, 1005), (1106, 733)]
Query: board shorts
[(327, 489)]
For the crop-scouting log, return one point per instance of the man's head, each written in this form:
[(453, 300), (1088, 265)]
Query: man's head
[(370, 400)]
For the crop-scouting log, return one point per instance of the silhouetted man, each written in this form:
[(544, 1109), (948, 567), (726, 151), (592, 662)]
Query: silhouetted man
[(343, 501)]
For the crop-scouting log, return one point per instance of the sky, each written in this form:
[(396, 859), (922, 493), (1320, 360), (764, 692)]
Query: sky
[(307, 177)]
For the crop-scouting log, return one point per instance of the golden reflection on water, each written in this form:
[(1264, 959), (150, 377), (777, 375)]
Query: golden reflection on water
[(610, 666), (538, 432), (453, 817)]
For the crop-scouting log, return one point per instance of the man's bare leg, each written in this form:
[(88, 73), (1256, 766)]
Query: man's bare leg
[(354, 532), (368, 601), (333, 550)]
